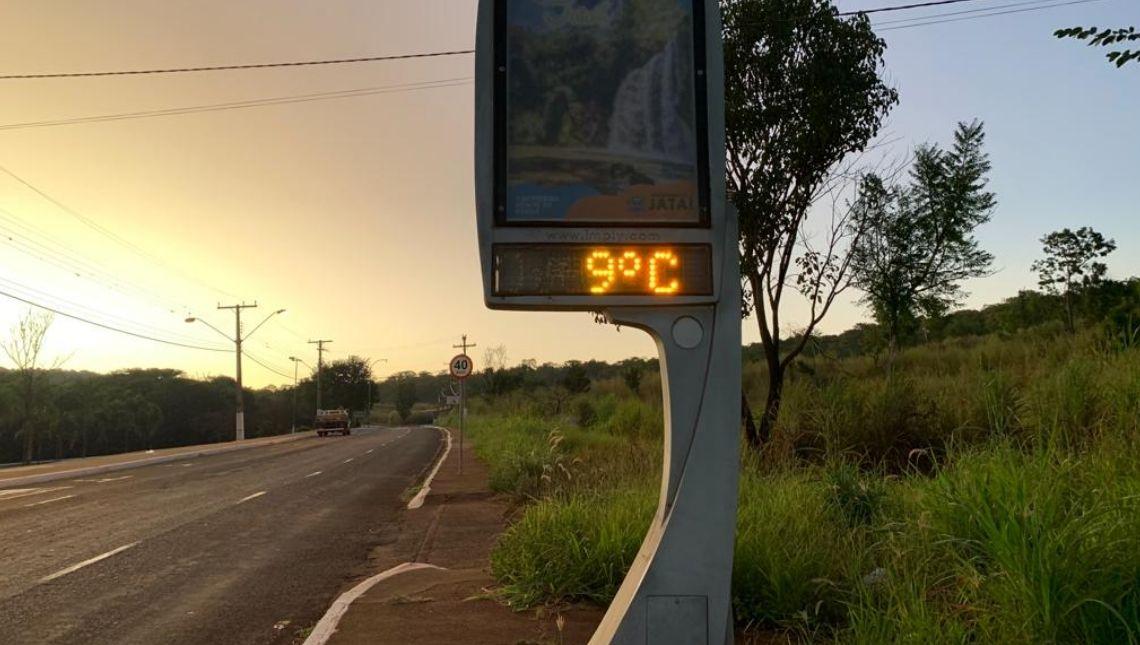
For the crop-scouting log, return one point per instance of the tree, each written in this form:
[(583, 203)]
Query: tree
[(1070, 265), (24, 348), (631, 373), (1106, 38), (576, 380), (804, 91), (344, 383), (920, 242), (405, 398)]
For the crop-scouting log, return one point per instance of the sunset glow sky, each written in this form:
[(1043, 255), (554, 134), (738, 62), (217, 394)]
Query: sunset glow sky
[(356, 214)]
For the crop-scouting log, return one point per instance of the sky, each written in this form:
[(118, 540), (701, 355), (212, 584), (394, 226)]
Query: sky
[(356, 215)]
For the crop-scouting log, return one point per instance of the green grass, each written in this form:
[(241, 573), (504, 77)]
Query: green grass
[(987, 491)]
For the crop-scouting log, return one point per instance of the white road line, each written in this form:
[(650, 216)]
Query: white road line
[(253, 496), (76, 567), (313, 474), (425, 488), (48, 501), (16, 493), (369, 452), (105, 480), (347, 460), (324, 629)]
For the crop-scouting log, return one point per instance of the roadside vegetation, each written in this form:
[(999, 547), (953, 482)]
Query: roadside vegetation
[(984, 489)]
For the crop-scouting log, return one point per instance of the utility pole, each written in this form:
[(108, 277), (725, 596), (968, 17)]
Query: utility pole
[(320, 364), (462, 403), (237, 340), (296, 362)]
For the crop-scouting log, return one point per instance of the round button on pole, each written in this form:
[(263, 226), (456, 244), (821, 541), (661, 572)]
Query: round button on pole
[(688, 332)]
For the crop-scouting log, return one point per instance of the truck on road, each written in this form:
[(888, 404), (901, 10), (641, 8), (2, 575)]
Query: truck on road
[(332, 421)]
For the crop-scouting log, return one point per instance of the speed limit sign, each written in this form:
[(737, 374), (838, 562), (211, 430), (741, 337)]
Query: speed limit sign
[(461, 366)]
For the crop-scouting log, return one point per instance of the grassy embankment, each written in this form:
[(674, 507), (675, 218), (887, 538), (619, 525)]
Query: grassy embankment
[(989, 491)]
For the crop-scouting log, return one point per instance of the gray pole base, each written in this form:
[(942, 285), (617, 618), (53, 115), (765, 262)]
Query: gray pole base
[(678, 590)]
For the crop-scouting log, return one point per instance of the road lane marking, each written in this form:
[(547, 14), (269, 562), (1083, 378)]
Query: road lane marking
[(253, 496), (313, 474), (48, 501), (425, 488), (105, 480), (16, 493), (369, 452), (347, 460), (324, 629), (86, 563)]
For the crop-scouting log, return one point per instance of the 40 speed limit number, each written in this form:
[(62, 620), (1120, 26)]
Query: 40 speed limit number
[(461, 366)]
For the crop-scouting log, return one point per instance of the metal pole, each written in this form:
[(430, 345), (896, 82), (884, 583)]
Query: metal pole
[(240, 420), (320, 365), (294, 430), (462, 419)]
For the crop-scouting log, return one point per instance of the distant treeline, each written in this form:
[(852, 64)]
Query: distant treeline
[(1113, 305), (75, 414), (78, 414)]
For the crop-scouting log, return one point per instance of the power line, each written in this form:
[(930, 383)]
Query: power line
[(989, 15), (220, 68), (238, 105), (95, 226), (107, 327), (903, 7), (41, 296), (25, 240), (959, 13), (266, 367)]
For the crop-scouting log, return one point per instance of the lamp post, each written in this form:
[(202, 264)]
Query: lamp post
[(370, 364), (237, 339), (296, 361)]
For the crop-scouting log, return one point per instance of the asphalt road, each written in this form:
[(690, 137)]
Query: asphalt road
[(243, 547)]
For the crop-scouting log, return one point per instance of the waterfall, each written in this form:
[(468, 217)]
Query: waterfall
[(647, 119)]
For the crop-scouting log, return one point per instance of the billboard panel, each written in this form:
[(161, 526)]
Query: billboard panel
[(601, 122)]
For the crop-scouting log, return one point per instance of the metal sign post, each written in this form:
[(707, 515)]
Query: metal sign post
[(600, 187), (461, 367)]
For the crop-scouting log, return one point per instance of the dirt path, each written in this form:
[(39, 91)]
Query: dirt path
[(456, 530)]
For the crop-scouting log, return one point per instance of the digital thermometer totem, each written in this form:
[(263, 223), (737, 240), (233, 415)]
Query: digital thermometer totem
[(599, 141)]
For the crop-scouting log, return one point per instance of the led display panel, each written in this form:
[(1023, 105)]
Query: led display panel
[(660, 271), (600, 122)]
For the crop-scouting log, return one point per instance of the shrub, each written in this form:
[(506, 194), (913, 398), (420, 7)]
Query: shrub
[(577, 548), (793, 558), (584, 413)]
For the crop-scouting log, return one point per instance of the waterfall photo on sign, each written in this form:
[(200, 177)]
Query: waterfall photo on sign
[(602, 112)]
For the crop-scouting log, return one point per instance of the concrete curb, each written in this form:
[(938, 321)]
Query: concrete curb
[(148, 461), (418, 500), (327, 625)]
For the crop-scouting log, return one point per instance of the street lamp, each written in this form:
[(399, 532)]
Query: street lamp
[(296, 362), (370, 364), (237, 339)]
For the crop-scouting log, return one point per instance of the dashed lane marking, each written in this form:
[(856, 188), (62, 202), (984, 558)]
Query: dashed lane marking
[(369, 452), (313, 474), (76, 567), (16, 493), (253, 496), (347, 460), (48, 501), (105, 479)]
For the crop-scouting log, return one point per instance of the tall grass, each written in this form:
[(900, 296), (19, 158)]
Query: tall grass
[(987, 491)]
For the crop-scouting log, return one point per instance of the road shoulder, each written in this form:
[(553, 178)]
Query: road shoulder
[(455, 530), (88, 466)]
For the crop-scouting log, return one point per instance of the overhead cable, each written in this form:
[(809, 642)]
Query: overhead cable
[(224, 68)]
